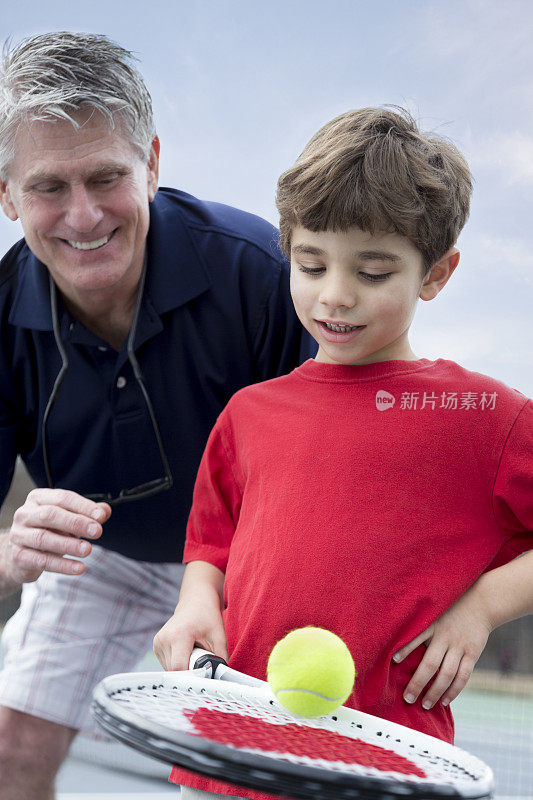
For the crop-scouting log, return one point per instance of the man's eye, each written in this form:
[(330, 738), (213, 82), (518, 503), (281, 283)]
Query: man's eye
[(104, 181), (48, 188), (375, 278)]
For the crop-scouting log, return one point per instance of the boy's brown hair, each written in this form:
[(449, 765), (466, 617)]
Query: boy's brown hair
[(373, 168)]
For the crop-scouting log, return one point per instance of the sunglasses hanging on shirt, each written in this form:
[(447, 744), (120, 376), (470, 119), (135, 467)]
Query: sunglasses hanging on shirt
[(143, 490)]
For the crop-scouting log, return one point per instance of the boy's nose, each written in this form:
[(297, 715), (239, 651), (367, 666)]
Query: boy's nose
[(338, 293)]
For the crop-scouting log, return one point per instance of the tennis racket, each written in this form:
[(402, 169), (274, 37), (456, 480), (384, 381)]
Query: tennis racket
[(233, 729)]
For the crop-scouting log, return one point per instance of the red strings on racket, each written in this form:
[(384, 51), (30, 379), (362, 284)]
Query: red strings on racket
[(242, 731)]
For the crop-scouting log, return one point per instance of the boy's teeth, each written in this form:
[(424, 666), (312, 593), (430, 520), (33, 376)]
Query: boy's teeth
[(340, 328), (90, 245)]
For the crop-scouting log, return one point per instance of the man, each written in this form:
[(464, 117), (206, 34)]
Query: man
[(129, 317)]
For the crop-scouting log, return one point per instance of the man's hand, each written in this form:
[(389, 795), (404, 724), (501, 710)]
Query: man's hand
[(454, 643), (49, 526)]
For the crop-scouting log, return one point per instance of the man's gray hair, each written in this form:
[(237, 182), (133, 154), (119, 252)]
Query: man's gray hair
[(54, 75)]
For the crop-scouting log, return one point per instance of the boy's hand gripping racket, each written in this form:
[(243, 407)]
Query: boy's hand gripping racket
[(233, 729)]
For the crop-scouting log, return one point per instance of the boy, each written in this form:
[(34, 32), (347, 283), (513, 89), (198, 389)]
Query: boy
[(368, 492)]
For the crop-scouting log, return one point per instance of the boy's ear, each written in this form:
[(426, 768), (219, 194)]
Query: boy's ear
[(439, 274), (6, 203)]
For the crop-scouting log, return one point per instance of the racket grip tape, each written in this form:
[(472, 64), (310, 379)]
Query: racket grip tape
[(200, 659)]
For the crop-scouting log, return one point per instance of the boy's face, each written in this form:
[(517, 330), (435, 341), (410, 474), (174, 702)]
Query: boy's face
[(356, 293)]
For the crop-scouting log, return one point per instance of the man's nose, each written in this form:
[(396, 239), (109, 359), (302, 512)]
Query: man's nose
[(83, 211)]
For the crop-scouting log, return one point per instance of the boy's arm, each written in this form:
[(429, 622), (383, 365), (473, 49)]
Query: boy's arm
[(458, 637), (197, 619), (212, 522)]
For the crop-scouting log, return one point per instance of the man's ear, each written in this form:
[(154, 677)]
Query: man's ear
[(6, 202), (153, 168), (439, 274)]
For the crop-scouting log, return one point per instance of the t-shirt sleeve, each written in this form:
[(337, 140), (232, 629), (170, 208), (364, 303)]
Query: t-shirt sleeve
[(216, 504), (513, 488)]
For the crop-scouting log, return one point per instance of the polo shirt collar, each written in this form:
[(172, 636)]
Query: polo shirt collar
[(31, 304), (176, 271)]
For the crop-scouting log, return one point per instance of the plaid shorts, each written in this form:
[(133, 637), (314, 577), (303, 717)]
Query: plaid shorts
[(72, 631)]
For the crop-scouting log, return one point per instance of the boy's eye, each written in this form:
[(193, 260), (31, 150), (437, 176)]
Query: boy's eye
[(311, 270), (375, 277)]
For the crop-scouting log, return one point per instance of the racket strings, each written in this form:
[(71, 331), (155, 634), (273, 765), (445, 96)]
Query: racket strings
[(252, 724), (294, 740)]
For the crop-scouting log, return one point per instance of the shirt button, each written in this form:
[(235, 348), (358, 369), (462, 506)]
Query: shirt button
[(102, 348), (121, 382)]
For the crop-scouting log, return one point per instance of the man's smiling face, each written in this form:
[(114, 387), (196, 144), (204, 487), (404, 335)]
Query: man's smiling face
[(82, 198)]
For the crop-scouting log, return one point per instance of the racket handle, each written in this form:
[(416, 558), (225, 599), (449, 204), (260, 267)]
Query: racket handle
[(215, 667), (202, 659)]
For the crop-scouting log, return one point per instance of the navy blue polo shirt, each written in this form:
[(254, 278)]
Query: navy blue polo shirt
[(216, 315)]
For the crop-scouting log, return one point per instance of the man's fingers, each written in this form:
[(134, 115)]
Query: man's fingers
[(77, 524), (54, 518), (27, 559), (70, 501), (49, 542)]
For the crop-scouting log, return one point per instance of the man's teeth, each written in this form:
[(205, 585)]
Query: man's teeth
[(340, 328), (90, 245)]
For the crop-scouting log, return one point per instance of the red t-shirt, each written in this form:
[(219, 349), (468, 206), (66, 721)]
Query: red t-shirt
[(364, 500)]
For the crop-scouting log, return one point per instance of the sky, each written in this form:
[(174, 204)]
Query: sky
[(239, 88)]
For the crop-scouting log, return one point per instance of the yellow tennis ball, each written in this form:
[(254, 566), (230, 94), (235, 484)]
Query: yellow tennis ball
[(311, 671)]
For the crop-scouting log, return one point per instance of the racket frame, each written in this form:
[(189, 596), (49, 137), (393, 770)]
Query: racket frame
[(263, 772)]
